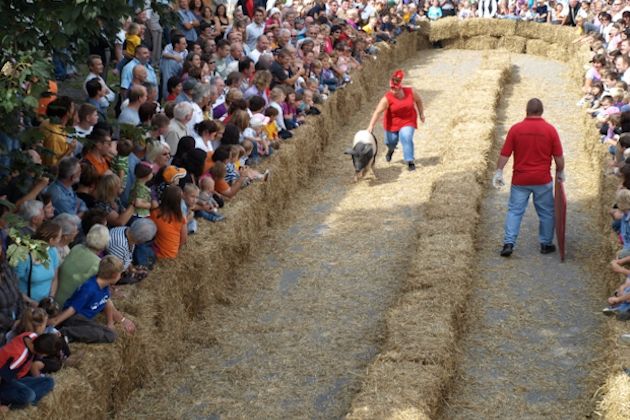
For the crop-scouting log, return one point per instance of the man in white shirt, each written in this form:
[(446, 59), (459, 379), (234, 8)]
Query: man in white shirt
[(95, 65), (262, 44), (256, 28)]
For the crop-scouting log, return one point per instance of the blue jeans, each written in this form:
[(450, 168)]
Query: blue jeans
[(25, 391), (544, 204), (406, 139)]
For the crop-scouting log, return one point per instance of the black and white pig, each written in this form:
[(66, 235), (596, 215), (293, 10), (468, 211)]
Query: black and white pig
[(363, 152)]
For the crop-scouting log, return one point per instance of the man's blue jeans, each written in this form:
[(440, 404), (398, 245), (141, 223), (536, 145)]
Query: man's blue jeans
[(25, 391), (406, 139), (544, 204)]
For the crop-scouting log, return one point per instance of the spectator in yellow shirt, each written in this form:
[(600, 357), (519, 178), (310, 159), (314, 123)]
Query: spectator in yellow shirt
[(60, 113)]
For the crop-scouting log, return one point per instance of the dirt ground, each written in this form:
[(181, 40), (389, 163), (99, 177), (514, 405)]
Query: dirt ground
[(536, 330), (297, 344)]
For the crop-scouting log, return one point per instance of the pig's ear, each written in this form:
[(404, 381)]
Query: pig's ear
[(349, 152)]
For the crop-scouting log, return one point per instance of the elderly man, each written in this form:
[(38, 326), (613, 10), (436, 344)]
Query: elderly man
[(182, 114), (32, 212), (63, 197), (200, 96), (122, 243), (533, 142), (262, 47), (129, 115)]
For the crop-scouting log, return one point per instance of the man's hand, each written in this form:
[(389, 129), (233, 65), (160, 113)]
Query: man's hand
[(560, 176), (422, 117), (497, 179)]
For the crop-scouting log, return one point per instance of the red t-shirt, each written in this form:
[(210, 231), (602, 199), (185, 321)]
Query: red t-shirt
[(533, 141), (400, 112)]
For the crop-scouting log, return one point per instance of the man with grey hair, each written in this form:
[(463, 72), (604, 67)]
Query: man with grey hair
[(32, 212), (182, 114), (63, 197), (81, 263), (200, 97), (122, 243)]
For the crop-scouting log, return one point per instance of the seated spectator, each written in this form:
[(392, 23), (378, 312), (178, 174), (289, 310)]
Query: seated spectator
[(69, 230), (17, 389), (81, 263), (107, 198), (122, 243), (93, 297), (158, 155), (96, 94), (63, 197), (171, 224), (32, 212), (38, 278)]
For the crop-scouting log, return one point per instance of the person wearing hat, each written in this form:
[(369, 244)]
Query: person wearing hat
[(402, 107)]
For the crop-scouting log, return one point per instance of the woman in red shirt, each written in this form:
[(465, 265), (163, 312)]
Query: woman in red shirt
[(402, 106)]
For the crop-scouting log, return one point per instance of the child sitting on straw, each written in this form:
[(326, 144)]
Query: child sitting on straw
[(623, 216), (620, 301), (93, 297)]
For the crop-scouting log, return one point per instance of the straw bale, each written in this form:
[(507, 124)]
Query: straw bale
[(474, 27), (454, 43), (558, 52), (534, 30), (447, 28), (615, 405), (515, 44), (400, 390), (482, 42), (537, 47)]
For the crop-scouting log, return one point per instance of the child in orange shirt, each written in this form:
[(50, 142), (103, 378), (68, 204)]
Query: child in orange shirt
[(171, 224)]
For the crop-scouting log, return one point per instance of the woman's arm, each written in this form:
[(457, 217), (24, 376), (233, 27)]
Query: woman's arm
[(55, 284), (418, 100), (183, 237), (380, 108), (120, 219)]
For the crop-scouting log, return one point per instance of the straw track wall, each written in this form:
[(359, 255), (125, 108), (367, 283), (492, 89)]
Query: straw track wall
[(411, 375), (170, 299)]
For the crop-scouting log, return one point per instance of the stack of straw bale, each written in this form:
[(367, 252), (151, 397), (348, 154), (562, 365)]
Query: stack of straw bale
[(412, 375)]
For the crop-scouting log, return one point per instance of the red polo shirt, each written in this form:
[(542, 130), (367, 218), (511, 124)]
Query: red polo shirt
[(533, 141)]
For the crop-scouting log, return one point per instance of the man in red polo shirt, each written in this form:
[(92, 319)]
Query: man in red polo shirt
[(533, 142)]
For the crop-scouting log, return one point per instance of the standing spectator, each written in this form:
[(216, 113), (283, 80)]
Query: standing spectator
[(142, 57), (188, 22), (571, 10), (178, 127), (88, 118), (64, 199), (60, 113), (533, 142), (129, 115), (96, 93), (201, 96), (222, 60), (95, 65), (172, 60), (255, 29), (262, 46), (98, 149), (249, 7), (81, 263)]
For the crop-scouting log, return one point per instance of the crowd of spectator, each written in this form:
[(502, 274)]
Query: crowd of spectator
[(119, 178)]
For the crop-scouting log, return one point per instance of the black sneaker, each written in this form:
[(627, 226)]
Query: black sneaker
[(412, 166), (507, 250), (547, 249), (388, 156)]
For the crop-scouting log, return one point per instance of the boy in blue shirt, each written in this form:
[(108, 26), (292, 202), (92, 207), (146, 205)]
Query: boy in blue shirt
[(77, 322)]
